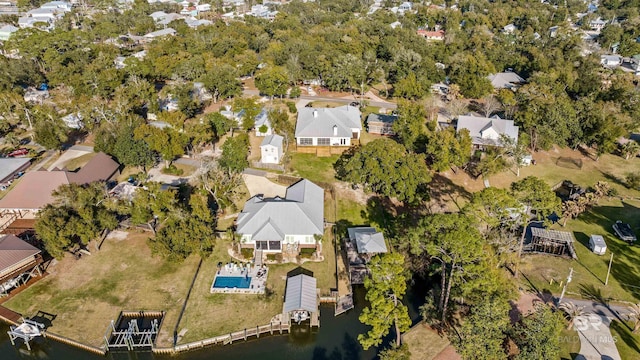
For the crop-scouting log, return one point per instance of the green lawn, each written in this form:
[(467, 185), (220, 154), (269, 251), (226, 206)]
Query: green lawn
[(569, 344), (590, 270), (209, 315), (86, 294), (314, 168), (628, 343), (610, 168)]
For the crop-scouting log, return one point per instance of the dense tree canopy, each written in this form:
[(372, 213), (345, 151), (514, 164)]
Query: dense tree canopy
[(78, 215), (384, 167)]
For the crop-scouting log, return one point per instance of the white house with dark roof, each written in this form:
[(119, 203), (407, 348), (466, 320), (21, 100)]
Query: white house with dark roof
[(271, 149), (283, 224), (487, 131), (328, 126), (505, 80)]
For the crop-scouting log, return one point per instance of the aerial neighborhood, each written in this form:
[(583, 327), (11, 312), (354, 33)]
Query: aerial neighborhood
[(347, 179)]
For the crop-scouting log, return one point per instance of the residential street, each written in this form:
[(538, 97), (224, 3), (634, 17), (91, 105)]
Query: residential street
[(382, 103)]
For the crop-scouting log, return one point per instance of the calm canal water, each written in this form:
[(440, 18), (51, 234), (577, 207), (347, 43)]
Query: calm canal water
[(337, 339)]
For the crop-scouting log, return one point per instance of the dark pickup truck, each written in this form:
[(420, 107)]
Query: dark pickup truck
[(624, 231)]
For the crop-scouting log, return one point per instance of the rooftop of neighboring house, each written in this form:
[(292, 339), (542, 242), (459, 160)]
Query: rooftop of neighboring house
[(35, 188), (487, 131), (505, 80), (13, 251)]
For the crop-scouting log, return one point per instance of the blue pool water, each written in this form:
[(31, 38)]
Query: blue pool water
[(239, 282)]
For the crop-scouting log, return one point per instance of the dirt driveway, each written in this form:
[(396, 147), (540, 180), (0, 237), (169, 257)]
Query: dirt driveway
[(261, 185)]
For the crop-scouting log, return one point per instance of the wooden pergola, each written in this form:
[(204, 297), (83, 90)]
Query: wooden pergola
[(553, 242)]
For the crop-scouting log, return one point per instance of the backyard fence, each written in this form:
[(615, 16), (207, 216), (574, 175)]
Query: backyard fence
[(261, 165)]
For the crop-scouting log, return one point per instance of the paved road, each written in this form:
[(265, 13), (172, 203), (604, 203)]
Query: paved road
[(82, 148), (186, 161), (619, 312), (382, 104)]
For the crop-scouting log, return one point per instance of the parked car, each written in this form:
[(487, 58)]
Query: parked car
[(624, 231), (19, 152), (597, 244)]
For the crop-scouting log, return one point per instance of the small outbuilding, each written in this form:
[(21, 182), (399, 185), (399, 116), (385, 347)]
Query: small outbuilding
[(381, 124), (363, 243), (597, 244), (271, 149)]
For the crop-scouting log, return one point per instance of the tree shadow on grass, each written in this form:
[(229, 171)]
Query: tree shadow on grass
[(382, 212), (444, 190), (614, 179), (624, 331)]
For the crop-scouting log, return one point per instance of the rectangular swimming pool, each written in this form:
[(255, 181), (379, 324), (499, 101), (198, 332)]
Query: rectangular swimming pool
[(239, 282)]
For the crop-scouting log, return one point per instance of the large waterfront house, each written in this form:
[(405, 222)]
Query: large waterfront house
[(328, 126), (283, 224)]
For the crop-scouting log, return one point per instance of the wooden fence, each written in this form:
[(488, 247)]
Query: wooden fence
[(321, 151), (245, 334), (261, 165)]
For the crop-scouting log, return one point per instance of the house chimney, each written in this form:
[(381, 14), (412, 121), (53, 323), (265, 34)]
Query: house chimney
[(335, 130), (315, 113)]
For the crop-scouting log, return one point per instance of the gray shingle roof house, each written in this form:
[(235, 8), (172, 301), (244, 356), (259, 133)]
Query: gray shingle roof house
[(381, 124), (328, 126), (487, 131), (505, 80), (271, 149), (269, 224)]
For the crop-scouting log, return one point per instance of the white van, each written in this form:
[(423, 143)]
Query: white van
[(597, 244)]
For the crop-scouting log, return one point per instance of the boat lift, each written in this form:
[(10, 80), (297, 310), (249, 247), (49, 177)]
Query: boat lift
[(26, 331)]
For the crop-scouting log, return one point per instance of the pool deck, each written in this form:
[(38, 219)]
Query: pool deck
[(258, 277)]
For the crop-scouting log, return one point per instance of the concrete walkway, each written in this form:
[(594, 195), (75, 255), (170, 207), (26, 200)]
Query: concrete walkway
[(261, 185), (596, 341)]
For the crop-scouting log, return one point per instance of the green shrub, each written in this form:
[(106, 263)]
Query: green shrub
[(292, 107), (307, 253), (295, 92), (247, 253), (172, 170), (274, 257), (632, 180)]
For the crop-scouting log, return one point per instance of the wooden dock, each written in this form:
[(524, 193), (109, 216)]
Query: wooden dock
[(344, 304), (246, 334), (9, 316)]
